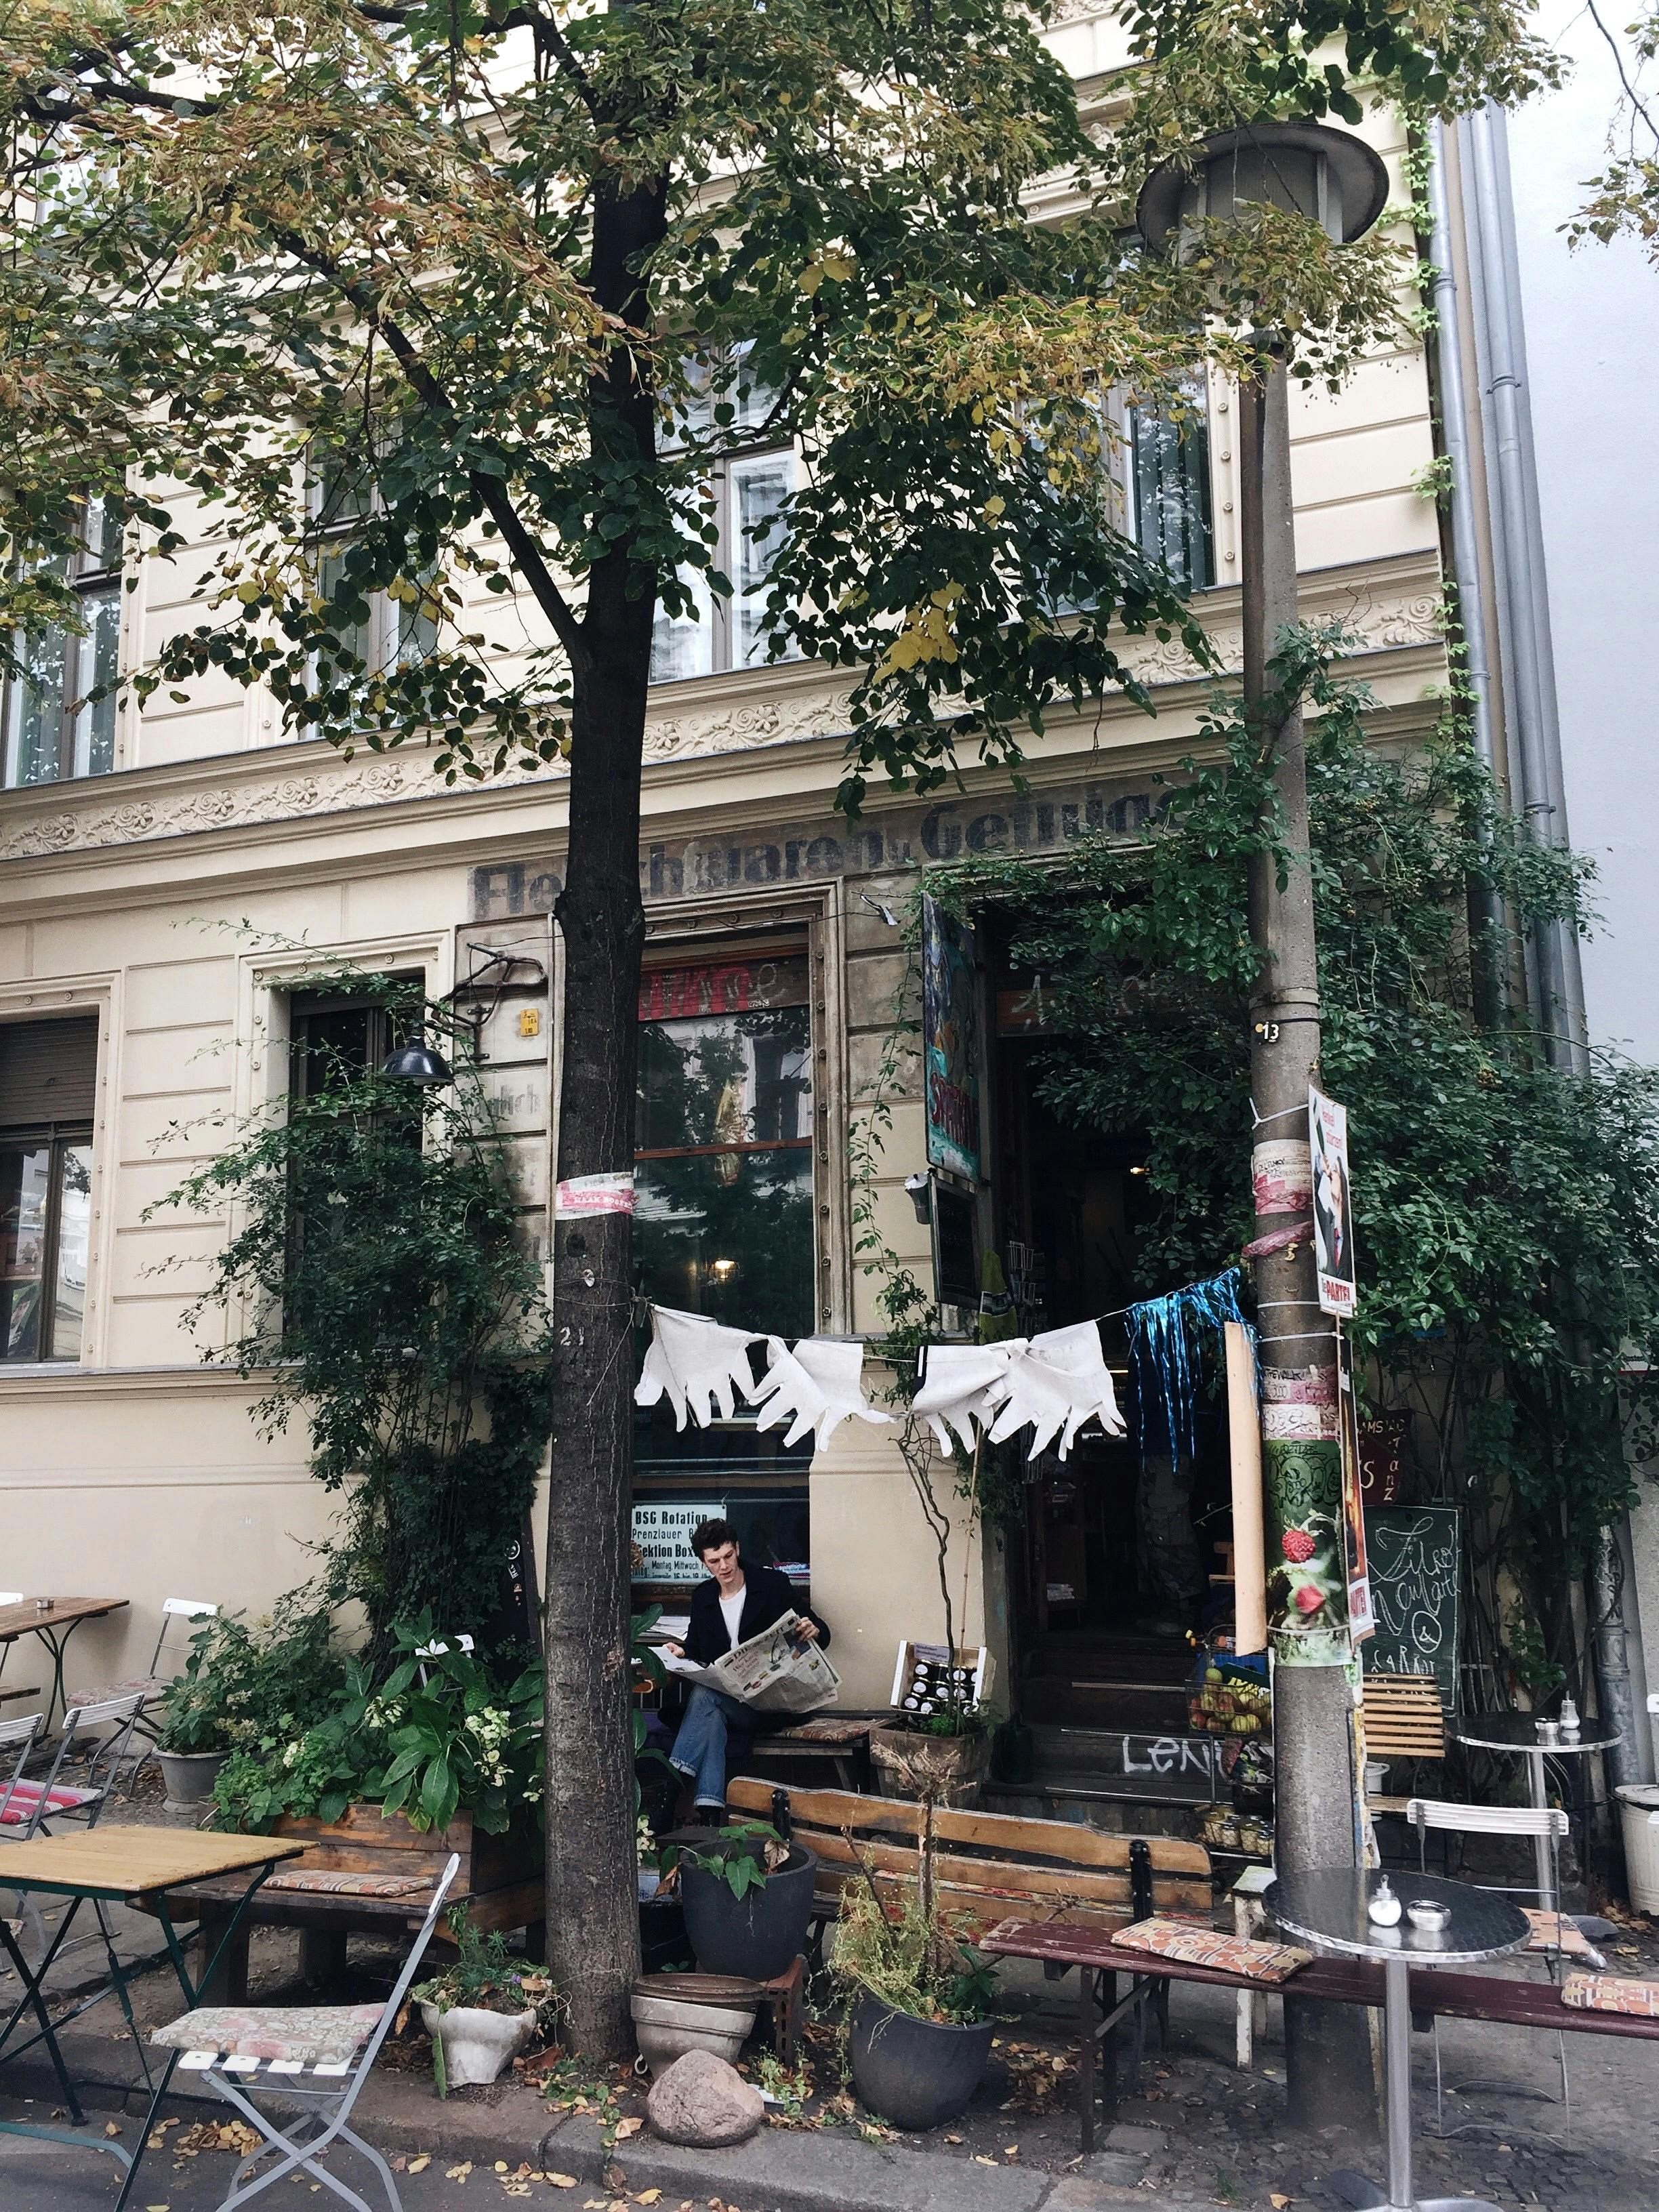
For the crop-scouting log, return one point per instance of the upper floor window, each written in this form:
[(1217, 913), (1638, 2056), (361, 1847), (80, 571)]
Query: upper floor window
[(55, 726), (747, 491), (1167, 467), (48, 1080), (380, 631)]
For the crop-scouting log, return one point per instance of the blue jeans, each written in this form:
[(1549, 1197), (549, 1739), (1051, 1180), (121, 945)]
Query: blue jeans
[(699, 1752)]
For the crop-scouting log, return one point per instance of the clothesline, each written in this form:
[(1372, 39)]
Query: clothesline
[(1054, 1382)]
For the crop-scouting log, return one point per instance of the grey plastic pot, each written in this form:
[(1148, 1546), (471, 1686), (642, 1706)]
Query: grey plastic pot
[(916, 2072), (189, 1775), (758, 1935)]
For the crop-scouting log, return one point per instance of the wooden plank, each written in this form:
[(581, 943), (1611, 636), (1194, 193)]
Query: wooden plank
[(24, 1620), (979, 1909), (366, 1828), (1065, 1842)]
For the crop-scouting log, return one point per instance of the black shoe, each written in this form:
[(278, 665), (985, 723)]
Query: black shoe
[(709, 1816)]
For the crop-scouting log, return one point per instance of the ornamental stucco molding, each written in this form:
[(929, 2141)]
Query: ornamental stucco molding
[(1383, 619)]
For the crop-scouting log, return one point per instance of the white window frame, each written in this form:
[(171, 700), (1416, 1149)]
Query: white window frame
[(97, 581)]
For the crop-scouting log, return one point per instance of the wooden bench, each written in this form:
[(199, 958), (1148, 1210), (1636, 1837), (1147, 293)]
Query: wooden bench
[(1501, 1999), (1403, 1719), (988, 1862), (841, 1740)]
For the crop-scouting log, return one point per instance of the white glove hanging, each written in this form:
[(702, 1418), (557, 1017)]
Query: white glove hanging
[(1056, 1383), (821, 1382), (695, 1363), (964, 1383)]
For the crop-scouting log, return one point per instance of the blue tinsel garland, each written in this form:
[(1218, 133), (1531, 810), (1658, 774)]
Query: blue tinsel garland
[(1164, 1343)]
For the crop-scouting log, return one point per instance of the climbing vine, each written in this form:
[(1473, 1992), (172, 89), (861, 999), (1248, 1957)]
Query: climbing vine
[(1507, 1211), (373, 1282)]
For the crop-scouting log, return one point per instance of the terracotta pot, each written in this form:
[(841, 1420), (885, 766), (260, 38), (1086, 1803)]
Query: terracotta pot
[(950, 1769), (477, 2044)]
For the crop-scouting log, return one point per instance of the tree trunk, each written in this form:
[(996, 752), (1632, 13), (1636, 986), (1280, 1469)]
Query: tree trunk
[(1327, 2059), (592, 1921)]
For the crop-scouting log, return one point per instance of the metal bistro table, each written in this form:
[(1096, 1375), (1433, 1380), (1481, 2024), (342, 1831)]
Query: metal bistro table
[(1515, 1732), (110, 1863), (1326, 1907), (44, 1618)]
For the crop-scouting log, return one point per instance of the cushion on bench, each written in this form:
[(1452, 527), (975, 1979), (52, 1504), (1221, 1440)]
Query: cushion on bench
[(1611, 1993), (1556, 1931), (1209, 1947), (321, 1881), (323, 2035)]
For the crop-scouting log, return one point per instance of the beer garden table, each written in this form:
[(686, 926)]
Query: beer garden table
[(1328, 1906), (113, 1865), (1519, 1732), (44, 1617)]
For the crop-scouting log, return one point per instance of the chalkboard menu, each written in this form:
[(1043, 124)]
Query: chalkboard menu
[(1415, 1553)]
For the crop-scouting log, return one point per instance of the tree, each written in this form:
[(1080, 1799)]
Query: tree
[(499, 282)]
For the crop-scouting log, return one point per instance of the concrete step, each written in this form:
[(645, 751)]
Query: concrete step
[(1068, 1701)]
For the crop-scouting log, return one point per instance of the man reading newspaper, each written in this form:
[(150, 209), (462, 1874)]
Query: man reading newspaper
[(736, 1692)]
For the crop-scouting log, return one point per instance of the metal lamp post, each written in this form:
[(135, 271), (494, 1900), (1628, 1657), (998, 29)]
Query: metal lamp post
[(1340, 182)]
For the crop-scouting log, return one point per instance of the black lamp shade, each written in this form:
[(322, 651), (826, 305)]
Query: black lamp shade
[(1330, 176), (418, 1063)]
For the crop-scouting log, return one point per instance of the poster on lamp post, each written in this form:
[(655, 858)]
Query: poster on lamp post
[(950, 1039), (1333, 1204)]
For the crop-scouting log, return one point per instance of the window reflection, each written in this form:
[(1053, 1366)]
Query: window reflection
[(25, 1186)]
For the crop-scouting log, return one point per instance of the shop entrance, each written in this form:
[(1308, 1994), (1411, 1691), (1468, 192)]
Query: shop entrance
[(1120, 1540)]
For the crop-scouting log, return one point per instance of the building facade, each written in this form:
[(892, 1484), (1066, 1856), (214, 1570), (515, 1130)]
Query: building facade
[(169, 878)]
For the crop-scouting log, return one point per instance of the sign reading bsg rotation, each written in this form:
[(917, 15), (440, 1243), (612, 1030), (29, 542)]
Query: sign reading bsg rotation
[(662, 1539), (950, 1037)]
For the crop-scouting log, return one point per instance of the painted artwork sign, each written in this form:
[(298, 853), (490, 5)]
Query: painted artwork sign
[(662, 1540), (1332, 1204), (950, 1048)]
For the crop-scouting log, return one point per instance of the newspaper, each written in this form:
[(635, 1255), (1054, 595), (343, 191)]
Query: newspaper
[(772, 1672)]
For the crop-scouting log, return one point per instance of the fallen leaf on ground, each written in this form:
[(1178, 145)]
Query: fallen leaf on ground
[(459, 2173), (420, 2165), (625, 2128), (1010, 2150), (647, 2196), (111, 2127), (500, 2166), (980, 2159), (561, 2180), (1278, 2202), (955, 2139)]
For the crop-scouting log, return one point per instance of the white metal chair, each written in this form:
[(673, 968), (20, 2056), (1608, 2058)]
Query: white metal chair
[(21, 1733), (1551, 1942), (316, 2057), (153, 1686)]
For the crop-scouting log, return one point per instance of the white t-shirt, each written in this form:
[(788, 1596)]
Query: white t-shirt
[(732, 1609)]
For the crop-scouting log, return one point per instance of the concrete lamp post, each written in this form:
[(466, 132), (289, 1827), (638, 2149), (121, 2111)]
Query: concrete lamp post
[(1339, 183)]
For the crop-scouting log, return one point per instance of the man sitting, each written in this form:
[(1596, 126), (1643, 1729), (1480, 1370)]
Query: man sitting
[(738, 1601)]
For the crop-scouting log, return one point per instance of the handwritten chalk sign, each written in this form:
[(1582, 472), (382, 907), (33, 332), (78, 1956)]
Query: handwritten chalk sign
[(1415, 1557)]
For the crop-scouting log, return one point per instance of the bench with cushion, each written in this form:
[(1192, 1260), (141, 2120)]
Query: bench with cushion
[(988, 1864), (1325, 1979)]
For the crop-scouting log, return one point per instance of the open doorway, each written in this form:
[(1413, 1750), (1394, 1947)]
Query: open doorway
[(1119, 1560)]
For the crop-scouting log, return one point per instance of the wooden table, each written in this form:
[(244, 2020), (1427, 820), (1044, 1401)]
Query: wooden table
[(108, 1864), (64, 1614)]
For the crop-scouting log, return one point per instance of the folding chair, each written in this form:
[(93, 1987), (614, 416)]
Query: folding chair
[(155, 1685), (22, 1733), (317, 2057), (1553, 1933)]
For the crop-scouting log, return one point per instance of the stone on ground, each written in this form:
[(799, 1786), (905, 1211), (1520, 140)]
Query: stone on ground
[(701, 2101)]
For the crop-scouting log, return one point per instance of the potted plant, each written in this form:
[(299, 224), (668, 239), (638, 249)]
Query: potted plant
[(747, 1896), (201, 1709), (919, 2023), (480, 2010), (944, 1756)]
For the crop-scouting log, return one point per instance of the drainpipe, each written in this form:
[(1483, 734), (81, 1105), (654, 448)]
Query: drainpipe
[(1517, 554), (1517, 539), (1487, 916)]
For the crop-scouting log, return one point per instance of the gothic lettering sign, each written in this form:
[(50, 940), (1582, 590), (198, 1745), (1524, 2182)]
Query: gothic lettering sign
[(882, 841)]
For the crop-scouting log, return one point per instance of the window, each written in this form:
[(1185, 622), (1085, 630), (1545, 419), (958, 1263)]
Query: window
[(48, 1079), (333, 1040), (54, 730), (1168, 467), (723, 1142), (748, 492), (382, 632), (723, 1226)]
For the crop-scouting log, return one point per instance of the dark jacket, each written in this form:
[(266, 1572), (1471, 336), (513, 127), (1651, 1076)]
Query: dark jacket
[(767, 1596)]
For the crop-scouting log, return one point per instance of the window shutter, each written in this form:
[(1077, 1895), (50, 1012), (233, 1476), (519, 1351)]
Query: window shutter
[(48, 1072)]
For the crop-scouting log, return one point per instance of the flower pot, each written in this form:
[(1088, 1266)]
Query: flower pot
[(915, 2072), (758, 1935), (190, 1775), (949, 1769), (476, 2044), (667, 2029)]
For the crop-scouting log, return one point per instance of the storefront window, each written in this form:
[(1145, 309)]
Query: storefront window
[(723, 1226)]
